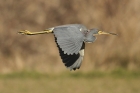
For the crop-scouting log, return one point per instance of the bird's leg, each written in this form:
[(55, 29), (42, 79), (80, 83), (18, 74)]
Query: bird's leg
[(26, 32)]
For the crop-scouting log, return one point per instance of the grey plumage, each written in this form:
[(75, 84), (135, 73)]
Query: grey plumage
[(70, 40), (90, 35)]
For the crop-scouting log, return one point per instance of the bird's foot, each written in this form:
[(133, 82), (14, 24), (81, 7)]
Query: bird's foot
[(25, 32)]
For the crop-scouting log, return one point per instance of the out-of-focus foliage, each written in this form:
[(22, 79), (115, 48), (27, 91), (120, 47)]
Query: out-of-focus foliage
[(18, 52), (121, 81)]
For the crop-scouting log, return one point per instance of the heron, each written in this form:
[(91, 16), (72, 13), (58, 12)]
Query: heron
[(70, 40)]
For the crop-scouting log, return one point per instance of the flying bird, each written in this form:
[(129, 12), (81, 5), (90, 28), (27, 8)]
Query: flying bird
[(70, 40)]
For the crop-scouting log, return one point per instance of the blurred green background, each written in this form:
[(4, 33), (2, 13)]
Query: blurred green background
[(31, 64)]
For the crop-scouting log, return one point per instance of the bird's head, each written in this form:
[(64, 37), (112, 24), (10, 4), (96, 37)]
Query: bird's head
[(99, 32)]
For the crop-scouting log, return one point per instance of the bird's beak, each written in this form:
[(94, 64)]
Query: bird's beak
[(107, 33)]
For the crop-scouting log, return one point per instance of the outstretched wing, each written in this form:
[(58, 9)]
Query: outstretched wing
[(69, 38), (73, 61)]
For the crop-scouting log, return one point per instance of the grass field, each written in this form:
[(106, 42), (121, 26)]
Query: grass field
[(71, 82)]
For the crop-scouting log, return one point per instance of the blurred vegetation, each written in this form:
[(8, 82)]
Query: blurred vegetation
[(78, 82), (39, 53), (116, 74)]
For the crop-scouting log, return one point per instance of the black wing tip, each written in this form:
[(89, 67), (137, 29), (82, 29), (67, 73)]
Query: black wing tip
[(74, 69), (69, 60)]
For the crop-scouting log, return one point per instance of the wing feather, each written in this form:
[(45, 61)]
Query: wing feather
[(73, 61), (69, 38)]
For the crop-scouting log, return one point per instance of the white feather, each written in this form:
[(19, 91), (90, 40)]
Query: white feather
[(81, 52)]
